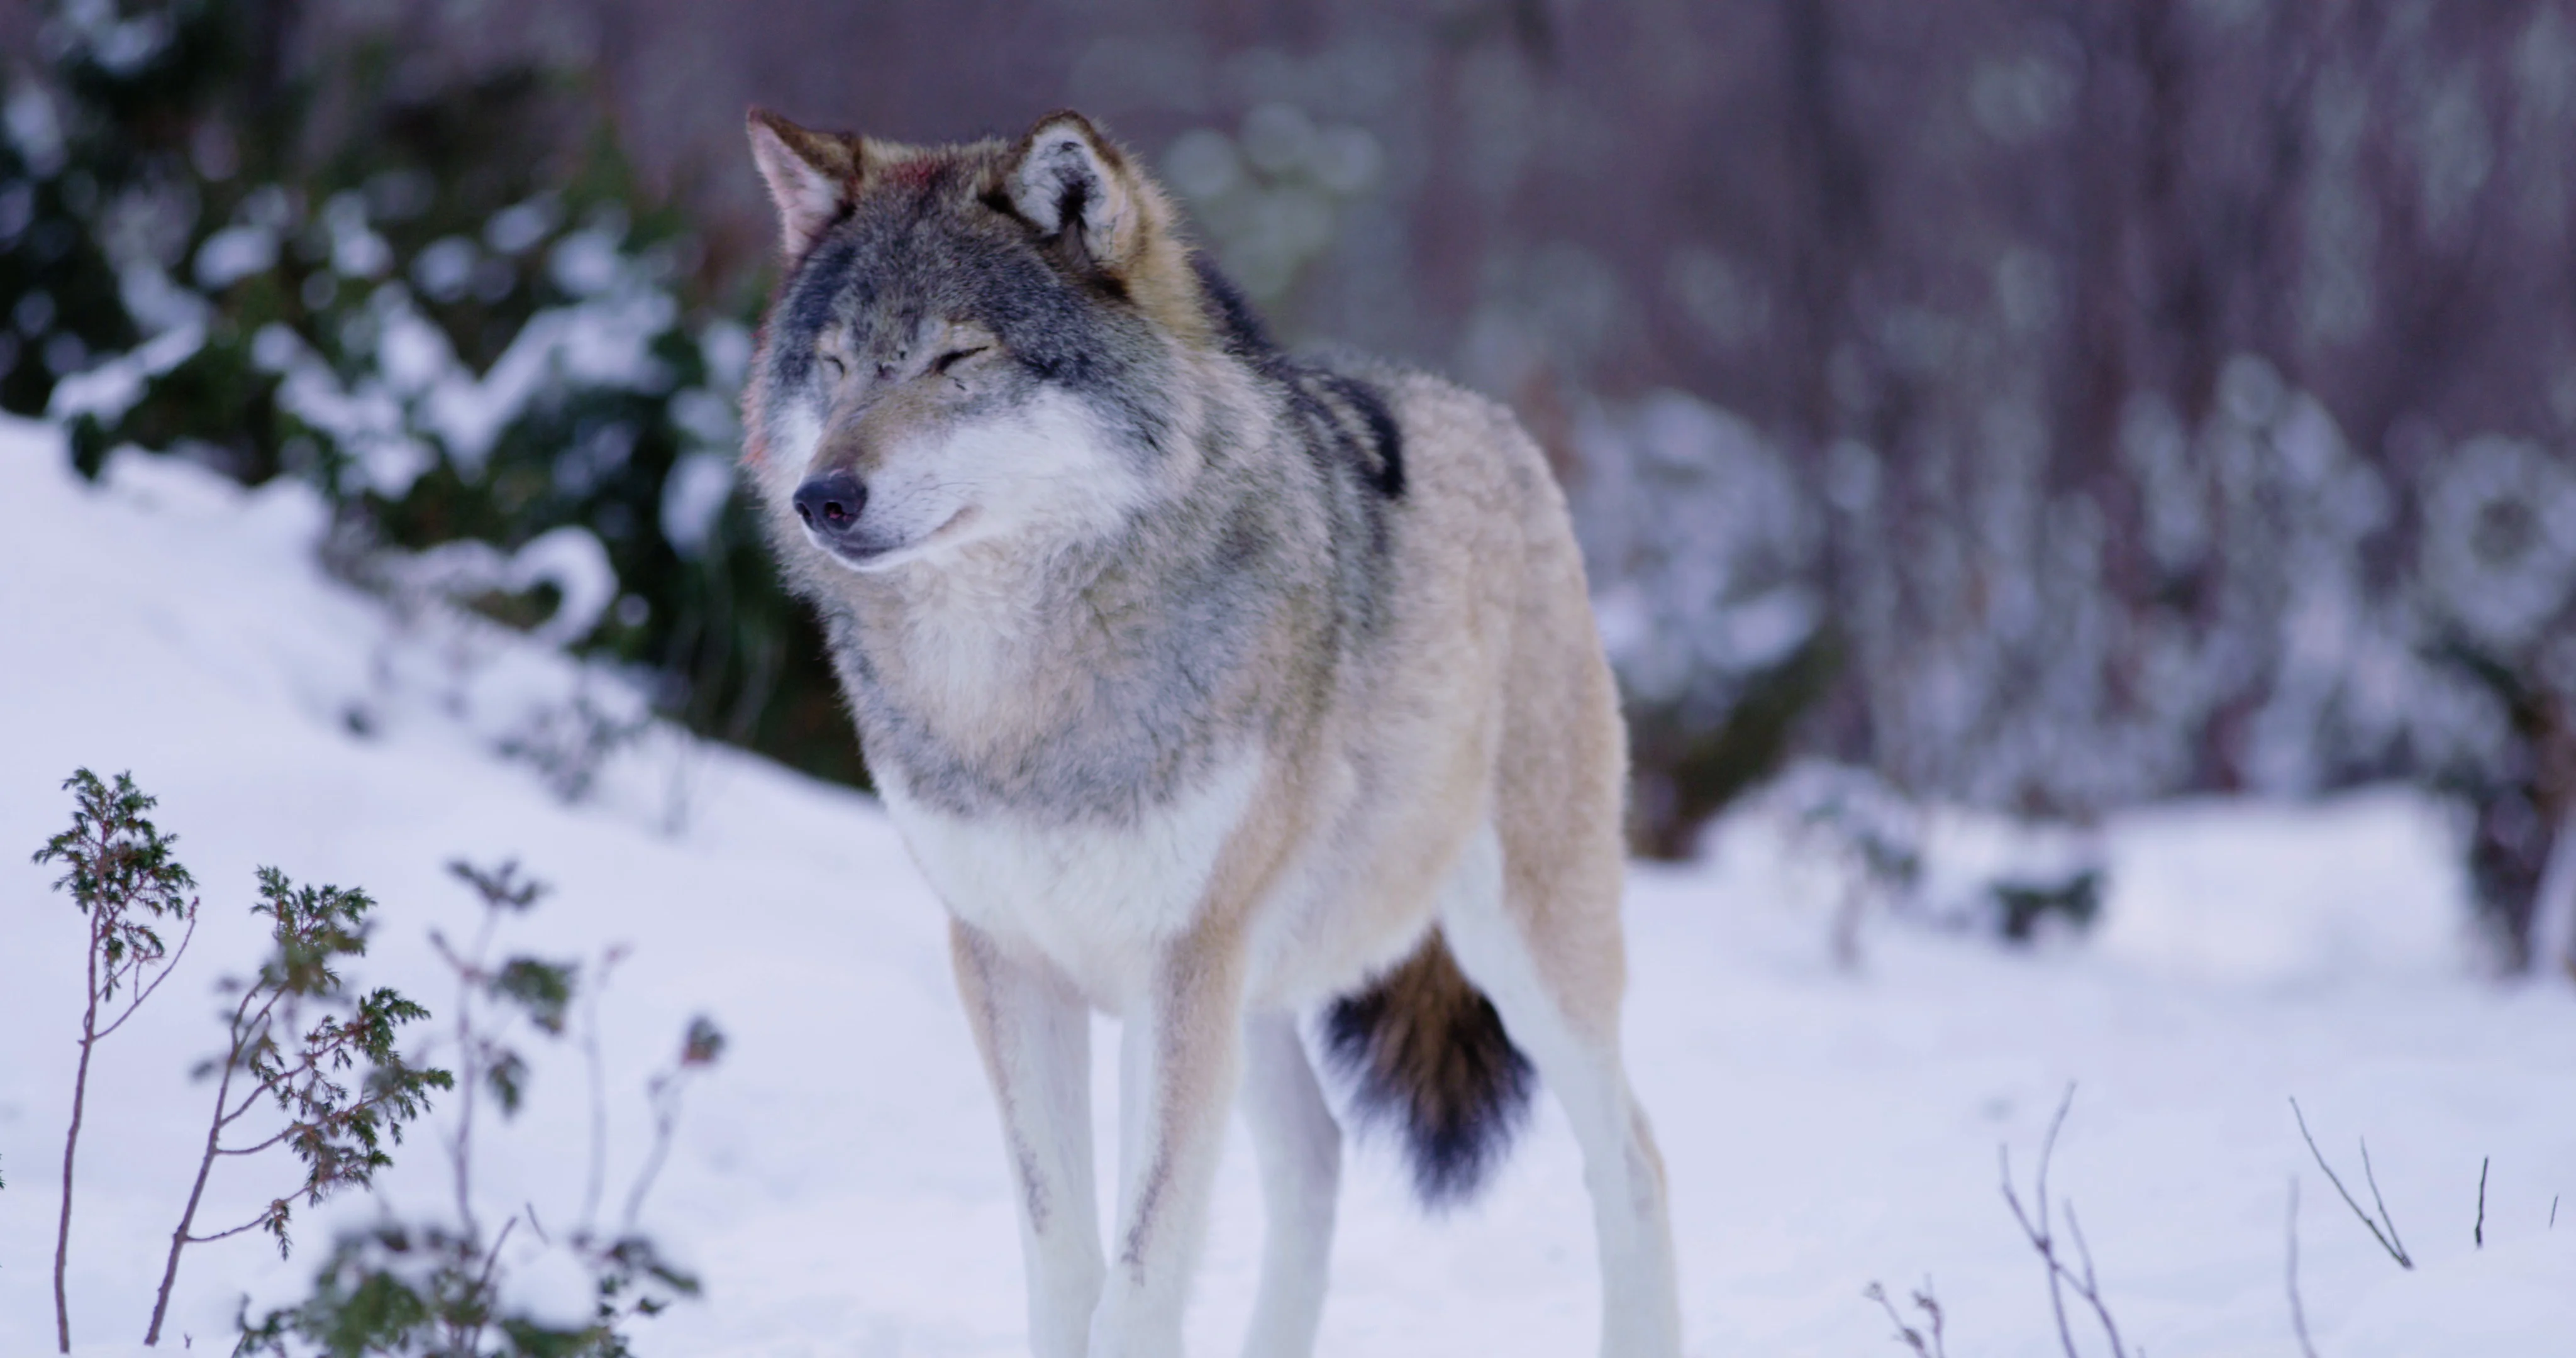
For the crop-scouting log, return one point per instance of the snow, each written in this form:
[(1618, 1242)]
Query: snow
[(569, 558), (838, 1180), (235, 253), (2370, 883)]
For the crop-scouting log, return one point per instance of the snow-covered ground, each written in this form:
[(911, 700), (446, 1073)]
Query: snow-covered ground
[(838, 1181)]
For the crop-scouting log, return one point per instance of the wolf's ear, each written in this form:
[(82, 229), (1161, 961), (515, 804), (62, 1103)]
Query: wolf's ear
[(1075, 185), (812, 176)]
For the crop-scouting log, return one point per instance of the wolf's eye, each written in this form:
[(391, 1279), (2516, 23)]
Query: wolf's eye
[(833, 364), (954, 357)]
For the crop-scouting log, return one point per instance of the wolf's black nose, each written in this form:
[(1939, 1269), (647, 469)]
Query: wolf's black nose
[(830, 503)]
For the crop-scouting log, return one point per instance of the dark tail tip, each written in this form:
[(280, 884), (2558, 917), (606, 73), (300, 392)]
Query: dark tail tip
[(1426, 1050)]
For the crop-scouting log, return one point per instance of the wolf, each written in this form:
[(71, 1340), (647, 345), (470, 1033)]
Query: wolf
[(1216, 689)]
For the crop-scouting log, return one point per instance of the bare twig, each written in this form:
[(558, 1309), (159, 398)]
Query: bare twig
[(469, 1338), (594, 1182), (2553, 1211), (700, 1044), (499, 889), (2298, 1312), (144, 991), (2038, 1234), (2387, 1238), (2480, 1234), (2385, 1219), (2042, 1238), (2092, 1289), (1912, 1338), (1931, 1307)]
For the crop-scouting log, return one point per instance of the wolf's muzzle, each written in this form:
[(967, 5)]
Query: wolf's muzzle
[(830, 504)]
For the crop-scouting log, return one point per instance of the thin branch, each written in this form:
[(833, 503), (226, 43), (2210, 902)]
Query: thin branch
[(484, 1283), (1907, 1335), (256, 1147), (665, 1118), (2298, 1312), (2480, 1234), (2039, 1232), (1931, 1307), (2384, 1218), (481, 1311), (2091, 1291), (594, 1183), (2387, 1238), (168, 966), (243, 1109), (251, 1225)]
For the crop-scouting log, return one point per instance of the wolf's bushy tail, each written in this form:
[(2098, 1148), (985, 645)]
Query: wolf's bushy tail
[(1425, 1049)]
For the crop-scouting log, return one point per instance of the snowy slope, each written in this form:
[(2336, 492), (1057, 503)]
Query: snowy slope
[(838, 1180)]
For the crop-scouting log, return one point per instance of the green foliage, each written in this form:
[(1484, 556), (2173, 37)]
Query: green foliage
[(434, 1289), (322, 1059), (2076, 900), (1690, 762), (702, 1044), (400, 1290), (337, 1123), (500, 888), (539, 990), (119, 871)]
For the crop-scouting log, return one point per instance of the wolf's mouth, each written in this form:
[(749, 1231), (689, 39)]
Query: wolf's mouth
[(867, 557)]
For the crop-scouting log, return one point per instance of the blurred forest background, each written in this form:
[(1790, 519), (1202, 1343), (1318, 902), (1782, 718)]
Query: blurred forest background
[(2042, 405)]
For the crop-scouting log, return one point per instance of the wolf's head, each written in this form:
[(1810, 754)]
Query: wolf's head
[(971, 342)]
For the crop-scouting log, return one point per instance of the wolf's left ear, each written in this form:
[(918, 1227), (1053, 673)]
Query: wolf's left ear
[(812, 176), (1075, 185)]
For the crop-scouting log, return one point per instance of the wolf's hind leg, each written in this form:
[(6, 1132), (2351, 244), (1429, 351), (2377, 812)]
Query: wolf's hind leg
[(1035, 1035), (1300, 1150), (1553, 971)]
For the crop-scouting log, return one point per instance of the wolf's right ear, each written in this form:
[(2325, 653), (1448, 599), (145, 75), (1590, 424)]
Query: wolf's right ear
[(812, 176), (1075, 186)]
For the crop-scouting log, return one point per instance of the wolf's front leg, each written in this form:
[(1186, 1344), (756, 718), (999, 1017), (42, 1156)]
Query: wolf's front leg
[(1035, 1034), (1179, 1059)]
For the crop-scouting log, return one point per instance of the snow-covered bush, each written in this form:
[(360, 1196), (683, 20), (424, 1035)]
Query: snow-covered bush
[(2252, 605), (284, 247), (1702, 550)]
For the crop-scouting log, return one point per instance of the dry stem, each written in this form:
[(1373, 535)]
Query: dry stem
[(2042, 1238), (2298, 1312), (2387, 1238), (1923, 1346)]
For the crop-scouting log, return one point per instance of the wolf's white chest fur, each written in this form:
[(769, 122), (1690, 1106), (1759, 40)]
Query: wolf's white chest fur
[(1093, 898)]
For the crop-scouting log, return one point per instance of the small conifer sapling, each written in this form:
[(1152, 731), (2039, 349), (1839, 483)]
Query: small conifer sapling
[(338, 1118), (118, 871)]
